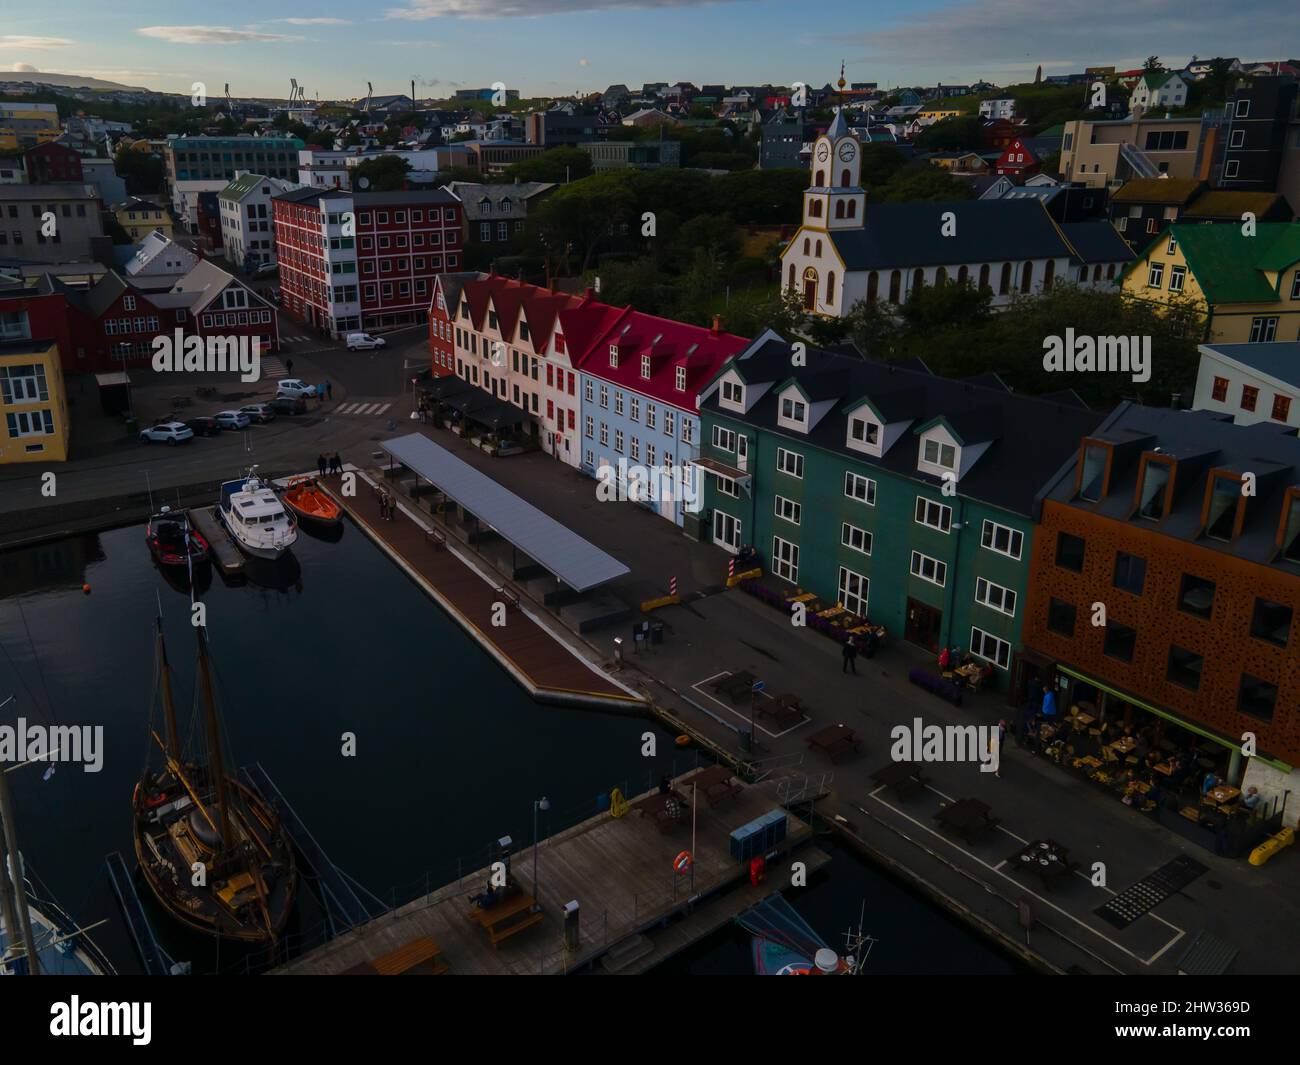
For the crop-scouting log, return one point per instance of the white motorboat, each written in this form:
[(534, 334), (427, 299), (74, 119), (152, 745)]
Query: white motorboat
[(256, 518)]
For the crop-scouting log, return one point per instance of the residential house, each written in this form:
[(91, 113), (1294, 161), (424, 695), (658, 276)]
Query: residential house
[(1250, 382), (1159, 89), (1221, 205), (1199, 579), (647, 117), (784, 135), (158, 262), (33, 402), (1108, 152), (139, 218), (1004, 108), (210, 302), (51, 223), (1246, 287), (1142, 207), (51, 163), (495, 215), (1261, 139), (905, 497), (1017, 160), (247, 231)]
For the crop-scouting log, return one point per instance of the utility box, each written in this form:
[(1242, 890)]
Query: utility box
[(571, 937), (759, 836)]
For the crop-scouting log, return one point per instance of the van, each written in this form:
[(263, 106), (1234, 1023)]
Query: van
[(363, 341)]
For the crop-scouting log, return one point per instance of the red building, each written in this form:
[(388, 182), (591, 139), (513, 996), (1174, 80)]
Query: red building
[(52, 162), (447, 290), (1017, 160), (364, 260)]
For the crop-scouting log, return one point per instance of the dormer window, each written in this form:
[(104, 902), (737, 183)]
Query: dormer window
[(1225, 507), (1154, 488), (1094, 472), (734, 393), (937, 453), (613, 355), (681, 379), (645, 366), (863, 431), (794, 410), (1289, 530)]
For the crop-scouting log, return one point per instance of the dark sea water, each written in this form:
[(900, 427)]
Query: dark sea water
[(450, 753)]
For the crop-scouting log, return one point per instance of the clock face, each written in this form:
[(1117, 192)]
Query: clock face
[(847, 152), (823, 152)]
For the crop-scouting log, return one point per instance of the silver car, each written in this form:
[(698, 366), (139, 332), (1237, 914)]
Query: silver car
[(172, 433), (231, 419)]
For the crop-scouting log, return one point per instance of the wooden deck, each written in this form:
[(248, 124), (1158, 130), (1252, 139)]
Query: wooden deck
[(620, 870), (226, 556), (546, 666)]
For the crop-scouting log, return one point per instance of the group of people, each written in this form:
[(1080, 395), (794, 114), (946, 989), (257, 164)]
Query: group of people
[(951, 659), (329, 463), (387, 505)]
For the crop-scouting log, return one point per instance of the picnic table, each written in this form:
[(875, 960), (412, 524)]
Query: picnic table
[(967, 817), (716, 782), (1124, 744), (1045, 857), (904, 778), (785, 710), (1224, 793), (835, 741), (735, 685), (507, 918), (419, 957), (666, 808)]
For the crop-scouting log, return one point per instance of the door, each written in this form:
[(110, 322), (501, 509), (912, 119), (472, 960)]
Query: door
[(923, 625), (742, 451), (726, 531)]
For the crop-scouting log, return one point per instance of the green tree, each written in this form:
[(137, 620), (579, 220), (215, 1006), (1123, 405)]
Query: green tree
[(880, 162), (141, 171), (555, 165), (924, 183), (574, 221), (1153, 65), (951, 135), (385, 173)]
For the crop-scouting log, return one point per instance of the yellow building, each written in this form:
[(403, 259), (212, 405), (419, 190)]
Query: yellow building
[(938, 114), (25, 125), (1244, 281), (140, 218), (33, 402)]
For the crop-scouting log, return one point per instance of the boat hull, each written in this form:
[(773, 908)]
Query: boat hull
[(270, 554)]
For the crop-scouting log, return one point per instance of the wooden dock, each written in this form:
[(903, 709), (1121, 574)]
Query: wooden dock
[(618, 869), (547, 666), (225, 555)]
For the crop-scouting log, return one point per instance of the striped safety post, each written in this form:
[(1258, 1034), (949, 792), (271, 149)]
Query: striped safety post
[(731, 567), (672, 585)]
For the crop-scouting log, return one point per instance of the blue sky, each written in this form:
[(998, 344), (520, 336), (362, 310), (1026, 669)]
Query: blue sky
[(554, 47)]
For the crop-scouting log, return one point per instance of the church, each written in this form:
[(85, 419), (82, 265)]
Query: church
[(846, 251)]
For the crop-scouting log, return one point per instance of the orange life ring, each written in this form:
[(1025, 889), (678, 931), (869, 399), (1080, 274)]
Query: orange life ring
[(682, 863)]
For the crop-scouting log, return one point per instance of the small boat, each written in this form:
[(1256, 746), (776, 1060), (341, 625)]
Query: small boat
[(255, 517), (784, 944), (62, 948), (310, 502), (172, 541)]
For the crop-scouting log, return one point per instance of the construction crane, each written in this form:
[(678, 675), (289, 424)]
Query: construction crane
[(370, 92)]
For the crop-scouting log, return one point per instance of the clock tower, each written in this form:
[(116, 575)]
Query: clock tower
[(835, 199)]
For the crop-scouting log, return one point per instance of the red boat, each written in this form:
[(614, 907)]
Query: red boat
[(173, 541)]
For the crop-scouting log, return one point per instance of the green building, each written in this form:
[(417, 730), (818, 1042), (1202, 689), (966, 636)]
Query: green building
[(905, 497)]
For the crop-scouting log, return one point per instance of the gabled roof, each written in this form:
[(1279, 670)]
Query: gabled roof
[(1229, 204), (1279, 360), (1027, 438), (1096, 242), (206, 282), (1229, 266), (1171, 191)]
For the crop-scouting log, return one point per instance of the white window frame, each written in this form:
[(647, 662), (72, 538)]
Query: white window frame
[(855, 602), (723, 439), (995, 596), (784, 465), (929, 507), (787, 510), (939, 569), (869, 492), (1001, 649), (785, 559), (850, 532), (989, 536)]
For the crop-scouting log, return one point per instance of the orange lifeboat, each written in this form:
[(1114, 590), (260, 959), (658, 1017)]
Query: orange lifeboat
[(310, 502)]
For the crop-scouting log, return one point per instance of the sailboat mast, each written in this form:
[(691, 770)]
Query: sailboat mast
[(169, 706), (18, 920), (216, 764)]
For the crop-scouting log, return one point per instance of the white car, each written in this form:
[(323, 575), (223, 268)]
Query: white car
[(231, 419), (170, 432), (362, 341), (295, 387)]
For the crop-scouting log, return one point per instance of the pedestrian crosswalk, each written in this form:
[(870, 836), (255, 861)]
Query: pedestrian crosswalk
[(362, 409), (285, 338), (273, 367)]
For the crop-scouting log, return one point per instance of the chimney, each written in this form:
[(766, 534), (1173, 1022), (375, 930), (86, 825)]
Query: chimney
[(717, 324)]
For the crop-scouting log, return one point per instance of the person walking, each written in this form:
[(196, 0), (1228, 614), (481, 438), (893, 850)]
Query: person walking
[(850, 654), (288, 367), (320, 463), (338, 462), (999, 737), (329, 390)]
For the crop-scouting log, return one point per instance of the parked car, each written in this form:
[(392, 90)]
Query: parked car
[(231, 419), (295, 387), (288, 405), (267, 270), (204, 426), (167, 432), (363, 341), (259, 413)]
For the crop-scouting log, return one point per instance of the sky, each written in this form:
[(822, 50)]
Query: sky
[(559, 47)]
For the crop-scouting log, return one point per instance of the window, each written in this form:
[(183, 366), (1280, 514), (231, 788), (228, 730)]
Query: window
[(723, 439), (24, 384), (937, 453), (732, 392), (788, 510), (634, 408), (1092, 479), (1220, 390), (645, 369), (995, 596), (604, 434), (1156, 271), (670, 423), (789, 462), (860, 488), (1295, 286), (650, 412), (618, 441), (618, 401), (935, 515), (1061, 617), (635, 451), (1155, 489), (604, 389), (864, 431), (587, 389), (13, 326), (785, 559), (1176, 276), (854, 590), (854, 538), (1003, 540), (1196, 596), (794, 410), (726, 485), (590, 425), (1263, 330), (1130, 572), (1069, 552), (1184, 667), (1225, 504), (988, 647), (1120, 642), (929, 569), (613, 355), (1249, 397), (1281, 407), (680, 379), (1256, 697), (1271, 622)]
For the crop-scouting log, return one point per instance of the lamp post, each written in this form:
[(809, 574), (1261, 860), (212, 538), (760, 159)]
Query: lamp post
[(538, 804)]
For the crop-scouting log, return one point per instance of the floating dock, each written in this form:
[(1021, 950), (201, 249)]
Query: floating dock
[(152, 956), (225, 555), (635, 909)]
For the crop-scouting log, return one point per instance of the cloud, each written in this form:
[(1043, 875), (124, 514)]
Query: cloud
[(314, 21), (10, 40), (24, 68), (989, 36), (210, 35), (584, 62), (491, 9)]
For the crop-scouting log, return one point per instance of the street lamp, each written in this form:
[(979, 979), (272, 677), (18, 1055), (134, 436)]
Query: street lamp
[(538, 804)]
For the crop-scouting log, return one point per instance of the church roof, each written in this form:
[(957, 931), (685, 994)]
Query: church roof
[(839, 127), (898, 235)]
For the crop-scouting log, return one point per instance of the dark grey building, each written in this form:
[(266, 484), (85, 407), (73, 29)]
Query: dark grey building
[(1255, 133), (784, 135)]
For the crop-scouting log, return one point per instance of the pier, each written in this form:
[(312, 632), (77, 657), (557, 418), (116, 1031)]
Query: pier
[(225, 555), (549, 667), (635, 909), (152, 957)]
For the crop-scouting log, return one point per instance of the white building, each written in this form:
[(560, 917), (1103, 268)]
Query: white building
[(159, 259), (247, 231), (1252, 382), (185, 199), (995, 109), (1159, 90), (322, 168)]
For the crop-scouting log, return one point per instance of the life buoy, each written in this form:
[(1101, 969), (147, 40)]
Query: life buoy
[(682, 863)]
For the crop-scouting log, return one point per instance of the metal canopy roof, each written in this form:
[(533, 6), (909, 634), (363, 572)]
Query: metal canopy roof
[(579, 564)]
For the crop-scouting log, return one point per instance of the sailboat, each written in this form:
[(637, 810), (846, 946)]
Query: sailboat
[(211, 850)]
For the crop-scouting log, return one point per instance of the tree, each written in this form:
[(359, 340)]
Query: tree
[(951, 135), (141, 171), (385, 173), (924, 183), (880, 162), (1153, 65), (554, 165), (577, 218)]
